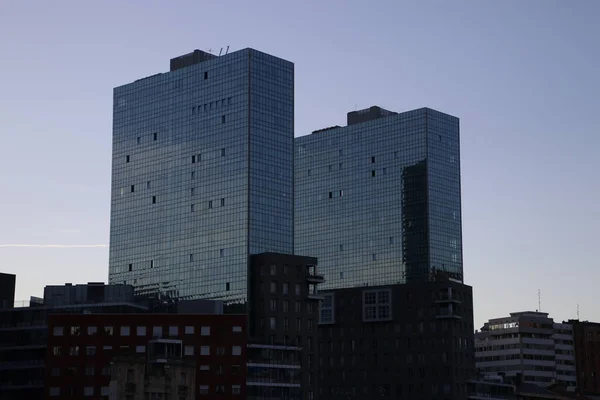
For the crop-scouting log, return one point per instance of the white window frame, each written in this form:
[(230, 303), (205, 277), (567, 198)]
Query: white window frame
[(377, 305)]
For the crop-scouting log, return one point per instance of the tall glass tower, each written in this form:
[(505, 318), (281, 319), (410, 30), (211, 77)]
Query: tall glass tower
[(378, 201), (202, 174)]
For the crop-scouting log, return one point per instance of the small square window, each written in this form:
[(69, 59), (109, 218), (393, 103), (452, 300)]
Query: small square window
[(236, 389), (188, 350), (108, 330), (189, 330), (173, 331), (92, 330), (90, 351), (141, 331), (105, 391), (124, 331), (55, 372), (157, 331), (205, 331), (58, 331), (204, 350), (140, 349), (54, 391), (88, 391), (236, 350), (236, 329)]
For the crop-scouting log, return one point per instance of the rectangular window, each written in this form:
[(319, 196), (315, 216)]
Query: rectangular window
[(236, 350), (222, 119), (153, 199), (193, 175), (189, 330), (55, 372), (384, 171), (124, 331), (373, 173), (192, 208), (189, 350), (203, 388), (205, 330), (273, 304), (222, 253), (130, 267), (193, 159), (227, 286), (140, 349), (89, 371), (173, 331), (228, 100), (340, 165), (141, 331), (236, 389), (191, 257), (222, 202), (286, 288), (326, 309), (191, 191), (372, 160), (139, 140), (157, 331), (132, 188), (74, 351), (193, 110), (236, 329), (155, 136), (298, 324), (210, 204), (273, 269), (374, 257), (90, 351), (205, 368), (206, 75), (286, 324), (88, 391), (298, 289), (223, 152), (126, 159), (273, 287), (105, 391), (148, 185), (377, 305), (272, 323), (58, 331), (341, 193), (331, 195), (151, 263), (204, 350), (298, 306), (286, 306), (330, 168), (54, 391)]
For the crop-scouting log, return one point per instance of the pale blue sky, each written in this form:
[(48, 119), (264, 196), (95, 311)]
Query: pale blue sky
[(521, 75)]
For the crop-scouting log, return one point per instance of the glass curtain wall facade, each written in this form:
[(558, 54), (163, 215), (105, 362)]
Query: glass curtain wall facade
[(378, 201), (202, 174)]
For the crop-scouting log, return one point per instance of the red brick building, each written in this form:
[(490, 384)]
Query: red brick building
[(81, 348)]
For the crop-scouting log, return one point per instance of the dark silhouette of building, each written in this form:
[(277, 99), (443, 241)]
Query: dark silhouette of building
[(7, 290), (410, 341), (587, 355), (24, 331), (283, 315)]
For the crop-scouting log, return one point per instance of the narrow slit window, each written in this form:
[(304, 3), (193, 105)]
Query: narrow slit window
[(192, 191), (193, 110), (126, 158), (151, 263), (153, 199), (222, 202), (192, 208), (223, 152), (206, 75), (229, 100), (148, 185), (372, 160), (373, 173), (130, 267), (374, 257), (341, 193), (139, 140), (155, 136), (193, 174), (210, 204), (222, 253), (227, 286), (222, 119), (191, 257), (132, 188), (330, 195), (199, 157), (193, 159)]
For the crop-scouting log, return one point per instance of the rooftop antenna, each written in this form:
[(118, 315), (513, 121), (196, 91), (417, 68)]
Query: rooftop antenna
[(539, 300), (220, 51), (227, 51)]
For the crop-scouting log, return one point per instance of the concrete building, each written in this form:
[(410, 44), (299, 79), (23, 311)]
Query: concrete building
[(411, 341), (527, 343)]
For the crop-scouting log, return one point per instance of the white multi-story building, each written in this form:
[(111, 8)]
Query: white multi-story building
[(529, 343)]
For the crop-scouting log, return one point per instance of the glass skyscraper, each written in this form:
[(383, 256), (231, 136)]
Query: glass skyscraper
[(378, 201), (202, 174)]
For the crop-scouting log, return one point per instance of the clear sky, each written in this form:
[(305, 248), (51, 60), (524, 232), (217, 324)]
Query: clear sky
[(523, 76)]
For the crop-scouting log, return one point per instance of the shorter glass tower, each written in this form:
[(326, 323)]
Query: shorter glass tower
[(378, 201)]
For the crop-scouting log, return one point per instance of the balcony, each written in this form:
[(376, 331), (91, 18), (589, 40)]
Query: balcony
[(447, 298), (314, 278)]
